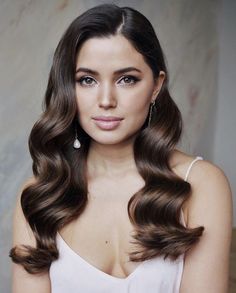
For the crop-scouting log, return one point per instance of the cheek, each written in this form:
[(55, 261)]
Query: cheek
[(84, 102), (138, 101), (138, 113)]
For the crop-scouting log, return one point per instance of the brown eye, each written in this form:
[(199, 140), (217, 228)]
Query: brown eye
[(129, 79), (86, 81)]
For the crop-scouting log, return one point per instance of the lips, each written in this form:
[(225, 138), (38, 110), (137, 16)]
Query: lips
[(107, 122), (107, 118)]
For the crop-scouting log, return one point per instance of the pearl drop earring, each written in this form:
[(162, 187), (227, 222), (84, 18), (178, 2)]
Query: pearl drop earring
[(76, 143)]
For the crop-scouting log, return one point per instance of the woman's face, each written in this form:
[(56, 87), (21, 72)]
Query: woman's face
[(114, 89)]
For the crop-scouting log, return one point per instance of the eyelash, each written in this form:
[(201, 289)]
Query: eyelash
[(133, 78)]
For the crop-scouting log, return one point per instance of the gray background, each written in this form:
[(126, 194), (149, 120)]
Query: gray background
[(198, 38)]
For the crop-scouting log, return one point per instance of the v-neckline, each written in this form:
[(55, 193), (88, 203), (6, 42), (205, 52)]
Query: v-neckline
[(89, 265)]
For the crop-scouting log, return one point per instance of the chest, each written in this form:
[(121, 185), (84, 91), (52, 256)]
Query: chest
[(102, 234)]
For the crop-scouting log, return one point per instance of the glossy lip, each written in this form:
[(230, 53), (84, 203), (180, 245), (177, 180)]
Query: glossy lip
[(107, 122)]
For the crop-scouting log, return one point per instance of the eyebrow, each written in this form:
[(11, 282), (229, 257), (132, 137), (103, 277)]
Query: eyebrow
[(119, 71)]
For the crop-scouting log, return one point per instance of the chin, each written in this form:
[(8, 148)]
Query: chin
[(124, 134), (115, 140)]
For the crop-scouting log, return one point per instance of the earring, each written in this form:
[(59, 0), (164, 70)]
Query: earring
[(150, 113), (77, 143)]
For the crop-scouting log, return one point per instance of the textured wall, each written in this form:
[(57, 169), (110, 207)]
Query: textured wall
[(30, 31), (225, 135)]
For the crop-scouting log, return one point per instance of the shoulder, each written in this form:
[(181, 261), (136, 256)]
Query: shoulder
[(211, 198), (22, 233), (209, 205), (211, 195), (180, 162), (200, 171)]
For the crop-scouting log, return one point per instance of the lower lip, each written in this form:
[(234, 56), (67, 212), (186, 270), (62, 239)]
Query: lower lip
[(107, 125)]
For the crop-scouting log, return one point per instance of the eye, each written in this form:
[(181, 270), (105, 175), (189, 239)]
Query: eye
[(86, 81), (128, 79)]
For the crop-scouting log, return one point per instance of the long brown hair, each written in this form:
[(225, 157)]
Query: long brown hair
[(59, 194)]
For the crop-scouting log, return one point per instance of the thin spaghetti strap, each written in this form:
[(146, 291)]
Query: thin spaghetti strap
[(190, 166)]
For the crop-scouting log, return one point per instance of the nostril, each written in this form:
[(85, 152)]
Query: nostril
[(107, 103), (107, 106)]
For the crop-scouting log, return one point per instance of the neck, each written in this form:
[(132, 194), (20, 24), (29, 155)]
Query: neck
[(110, 160)]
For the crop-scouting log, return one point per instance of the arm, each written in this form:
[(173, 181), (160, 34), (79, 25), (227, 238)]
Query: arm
[(206, 268), (22, 281)]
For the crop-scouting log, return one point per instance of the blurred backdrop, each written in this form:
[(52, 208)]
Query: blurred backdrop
[(198, 39)]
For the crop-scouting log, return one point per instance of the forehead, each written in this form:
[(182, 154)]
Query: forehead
[(113, 51)]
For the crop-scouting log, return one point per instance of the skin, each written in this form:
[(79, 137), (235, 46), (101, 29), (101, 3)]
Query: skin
[(113, 179), (109, 93)]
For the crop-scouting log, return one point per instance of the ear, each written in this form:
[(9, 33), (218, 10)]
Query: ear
[(158, 84)]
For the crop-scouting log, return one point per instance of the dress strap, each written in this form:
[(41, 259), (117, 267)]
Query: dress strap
[(190, 166)]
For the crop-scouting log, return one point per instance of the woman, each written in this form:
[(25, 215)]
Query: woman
[(113, 206)]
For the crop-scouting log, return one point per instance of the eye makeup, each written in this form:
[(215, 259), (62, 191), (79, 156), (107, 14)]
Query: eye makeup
[(126, 80)]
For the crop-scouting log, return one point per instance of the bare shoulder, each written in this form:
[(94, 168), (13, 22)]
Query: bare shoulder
[(211, 191), (202, 173), (22, 233), (180, 162), (209, 205), (211, 194), (211, 202)]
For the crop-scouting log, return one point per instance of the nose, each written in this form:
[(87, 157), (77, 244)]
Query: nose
[(107, 97)]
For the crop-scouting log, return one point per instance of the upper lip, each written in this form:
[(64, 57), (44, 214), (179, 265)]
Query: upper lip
[(107, 118)]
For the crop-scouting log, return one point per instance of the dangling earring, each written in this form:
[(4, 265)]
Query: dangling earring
[(150, 113), (77, 143)]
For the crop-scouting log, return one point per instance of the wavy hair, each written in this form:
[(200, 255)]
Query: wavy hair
[(59, 193)]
